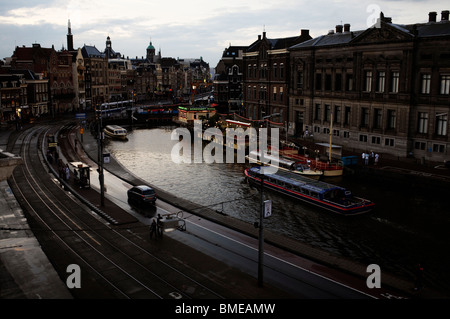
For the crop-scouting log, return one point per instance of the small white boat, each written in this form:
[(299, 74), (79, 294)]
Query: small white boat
[(285, 164), (115, 131)]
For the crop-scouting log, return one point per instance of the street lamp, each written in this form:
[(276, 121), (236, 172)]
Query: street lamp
[(100, 159), (261, 216)]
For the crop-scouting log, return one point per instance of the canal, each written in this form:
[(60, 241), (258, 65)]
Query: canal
[(409, 225)]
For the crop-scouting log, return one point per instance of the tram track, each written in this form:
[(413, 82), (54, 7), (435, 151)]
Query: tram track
[(112, 264)]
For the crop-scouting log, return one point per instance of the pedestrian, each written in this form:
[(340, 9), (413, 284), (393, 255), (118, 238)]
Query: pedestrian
[(377, 157), (372, 157), (67, 171), (159, 226), (366, 158), (363, 157), (153, 230)]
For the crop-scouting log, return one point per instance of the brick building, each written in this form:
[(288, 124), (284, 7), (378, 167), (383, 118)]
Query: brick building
[(266, 76), (384, 89)]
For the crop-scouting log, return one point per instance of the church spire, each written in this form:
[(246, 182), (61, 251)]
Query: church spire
[(69, 37)]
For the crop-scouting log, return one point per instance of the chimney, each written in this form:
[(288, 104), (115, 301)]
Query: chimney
[(259, 37), (339, 28), (444, 15), (347, 27), (432, 16), (304, 32)]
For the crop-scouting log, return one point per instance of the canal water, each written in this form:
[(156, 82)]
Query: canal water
[(409, 225)]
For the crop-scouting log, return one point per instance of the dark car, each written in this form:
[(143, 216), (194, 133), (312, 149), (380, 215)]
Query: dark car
[(141, 195)]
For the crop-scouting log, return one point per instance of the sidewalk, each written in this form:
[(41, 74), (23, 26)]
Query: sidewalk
[(25, 271)]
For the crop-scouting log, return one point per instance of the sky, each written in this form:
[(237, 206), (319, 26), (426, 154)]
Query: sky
[(189, 28)]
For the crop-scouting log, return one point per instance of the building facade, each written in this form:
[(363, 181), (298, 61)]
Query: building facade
[(266, 77), (383, 89), (228, 80)]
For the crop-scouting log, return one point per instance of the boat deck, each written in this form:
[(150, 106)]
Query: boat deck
[(299, 180)]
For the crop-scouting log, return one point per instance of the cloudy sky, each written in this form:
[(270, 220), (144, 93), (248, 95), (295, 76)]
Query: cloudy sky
[(189, 28)]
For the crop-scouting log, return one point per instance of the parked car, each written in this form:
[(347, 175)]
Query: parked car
[(141, 195)]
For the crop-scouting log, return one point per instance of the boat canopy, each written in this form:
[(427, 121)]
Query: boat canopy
[(300, 181)]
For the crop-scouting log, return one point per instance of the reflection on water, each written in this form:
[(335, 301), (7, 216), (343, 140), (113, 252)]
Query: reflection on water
[(407, 227)]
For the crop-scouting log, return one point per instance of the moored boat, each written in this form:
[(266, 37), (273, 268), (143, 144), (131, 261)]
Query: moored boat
[(115, 131), (327, 196), (328, 168), (285, 164)]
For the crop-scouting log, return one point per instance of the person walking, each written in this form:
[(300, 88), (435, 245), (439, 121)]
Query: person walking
[(366, 158), (67, 171), (153, 230), (377, 157)]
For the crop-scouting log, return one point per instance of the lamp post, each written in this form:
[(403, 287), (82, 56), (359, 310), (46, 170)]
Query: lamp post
[(261, 215), (100, 159)]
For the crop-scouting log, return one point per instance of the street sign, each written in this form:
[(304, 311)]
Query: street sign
[(106, 158), (267, 208)]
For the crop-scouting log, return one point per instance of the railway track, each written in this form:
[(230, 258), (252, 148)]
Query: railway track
[(115, 262)]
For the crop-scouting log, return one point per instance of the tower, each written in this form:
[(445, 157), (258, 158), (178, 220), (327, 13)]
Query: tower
[(150, 52), (69, 38)]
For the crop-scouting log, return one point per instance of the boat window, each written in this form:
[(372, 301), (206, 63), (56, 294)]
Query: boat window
[(314, 194)]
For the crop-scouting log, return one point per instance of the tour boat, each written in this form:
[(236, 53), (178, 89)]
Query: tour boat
[(327, 196), (115, 131), (285, 164), (328, 168)]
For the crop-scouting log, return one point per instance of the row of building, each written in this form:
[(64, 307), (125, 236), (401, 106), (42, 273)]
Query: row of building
[(36, 80), (384, 89)]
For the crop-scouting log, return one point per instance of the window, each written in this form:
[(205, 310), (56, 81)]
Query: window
[(389, 142), (317, 113), (426, 81), (281, 70), (391, 117), (347, 115), (349, 83), (363, 138), (441, 124), (327, 82), (299, 80), (381, 81), (281, 93), (367, 81), (327, 112), (394, 81), (419, 146), (275, 69), (445, 84), (318, 81), (337, 114), (438, 148), (376, 140), (364, 116), (338, 82), (274, 93), (346, 134), (377, 118), (422, 123)]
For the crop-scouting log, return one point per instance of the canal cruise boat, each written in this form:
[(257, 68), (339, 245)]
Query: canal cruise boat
[(327, 196), (116, 132)]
